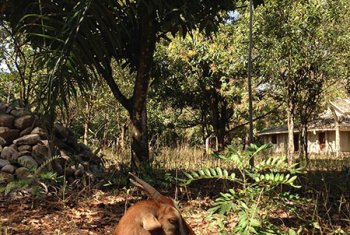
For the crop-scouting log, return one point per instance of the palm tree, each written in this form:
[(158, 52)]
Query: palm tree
[(81, 39)]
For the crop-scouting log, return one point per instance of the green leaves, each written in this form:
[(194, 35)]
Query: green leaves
[(209, 173), (257, 190), (276, 179), (17, 184), (299, 52), (277, 164), (79, 40)]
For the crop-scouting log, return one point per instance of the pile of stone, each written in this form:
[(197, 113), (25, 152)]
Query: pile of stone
[(25, 144)]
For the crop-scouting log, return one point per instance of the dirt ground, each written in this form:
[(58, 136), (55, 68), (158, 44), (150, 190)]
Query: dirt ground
[(97, 213)]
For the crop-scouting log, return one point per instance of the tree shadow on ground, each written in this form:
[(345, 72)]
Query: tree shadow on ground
[(96, 211)]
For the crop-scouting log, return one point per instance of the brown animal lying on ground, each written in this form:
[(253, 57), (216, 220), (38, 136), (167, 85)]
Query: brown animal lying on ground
[(157, 216)]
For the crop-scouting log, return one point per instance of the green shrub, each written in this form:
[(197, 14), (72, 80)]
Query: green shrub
[(38, 181), (258, 191)]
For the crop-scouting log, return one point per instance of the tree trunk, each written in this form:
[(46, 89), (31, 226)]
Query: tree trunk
[(301, 144), (86, 123), (139, 131), (303, 154), (136, 106), (290, 123), (139, 135), (220, 134), (86, 130), (305, 146), (219, 113), (122, 138)]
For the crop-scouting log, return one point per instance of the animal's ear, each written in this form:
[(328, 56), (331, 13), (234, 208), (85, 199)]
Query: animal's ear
[(150, 222)]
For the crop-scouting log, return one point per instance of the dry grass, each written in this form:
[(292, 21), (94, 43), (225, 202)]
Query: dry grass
[(98, 212), (184, 157), (187, 158)]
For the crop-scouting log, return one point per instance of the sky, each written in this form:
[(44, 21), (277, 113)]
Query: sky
[(3, 67)]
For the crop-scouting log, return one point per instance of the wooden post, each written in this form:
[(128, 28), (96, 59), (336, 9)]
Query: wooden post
[(337, 133), (337, 139)]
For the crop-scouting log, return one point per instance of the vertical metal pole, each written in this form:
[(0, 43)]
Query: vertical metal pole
[(251, 135)]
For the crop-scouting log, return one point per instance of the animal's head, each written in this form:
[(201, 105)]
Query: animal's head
[(166, 219)]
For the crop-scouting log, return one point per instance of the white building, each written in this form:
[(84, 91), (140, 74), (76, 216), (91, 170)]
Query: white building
[(328, 135)]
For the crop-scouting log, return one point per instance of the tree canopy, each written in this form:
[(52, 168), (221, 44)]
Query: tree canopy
[(83, 38)]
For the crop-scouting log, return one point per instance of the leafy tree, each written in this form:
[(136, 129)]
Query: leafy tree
[(206, 77), (84, 37), (298, 52), (106, 129), (203, 75), (19, 71)]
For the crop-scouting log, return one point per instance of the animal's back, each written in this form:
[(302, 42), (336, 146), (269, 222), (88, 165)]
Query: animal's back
[(131, 222)]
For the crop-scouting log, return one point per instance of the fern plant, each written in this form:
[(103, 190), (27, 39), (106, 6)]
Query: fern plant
[(37, 180), (257, 191)]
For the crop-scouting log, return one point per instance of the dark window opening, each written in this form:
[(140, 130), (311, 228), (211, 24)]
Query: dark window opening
[(274, 139), (296, 142), (322, 140)]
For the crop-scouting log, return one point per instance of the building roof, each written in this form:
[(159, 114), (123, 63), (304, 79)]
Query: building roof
[(274, 130), (342, 106), (326, 122)]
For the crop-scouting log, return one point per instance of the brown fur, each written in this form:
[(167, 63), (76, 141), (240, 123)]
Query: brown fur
[(158, 216)]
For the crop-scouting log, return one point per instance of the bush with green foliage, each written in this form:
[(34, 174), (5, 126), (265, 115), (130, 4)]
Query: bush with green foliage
[(37, 181), (258, 193)]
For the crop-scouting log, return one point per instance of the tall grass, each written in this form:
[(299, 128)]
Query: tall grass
[(186, 157), (325, 182)]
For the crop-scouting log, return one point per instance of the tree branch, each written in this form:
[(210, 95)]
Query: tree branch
[(106, 72), (255, 119)]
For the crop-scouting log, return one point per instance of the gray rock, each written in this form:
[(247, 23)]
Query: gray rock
[(97, 170), (9, 153), (70, 171), (23, 148), (40, 131), (22, 153), (2, 141), (85, 164), (87, 155), (57, 167), (77, 158), (80, 172), (61, 132), (3, 108), (27, 140), (22, 172), (9, 109), (8, 134), (14, 147), (41, 160), (3, 163), (83, 147), (19, 112), (0, 148), (8, 169), (5, 177), (45, 142), (26, 131), (27, 161), (40, 150), (6, 120), (24, 121)]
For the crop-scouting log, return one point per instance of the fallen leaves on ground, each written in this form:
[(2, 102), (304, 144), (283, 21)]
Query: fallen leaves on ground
[(96, 213)]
